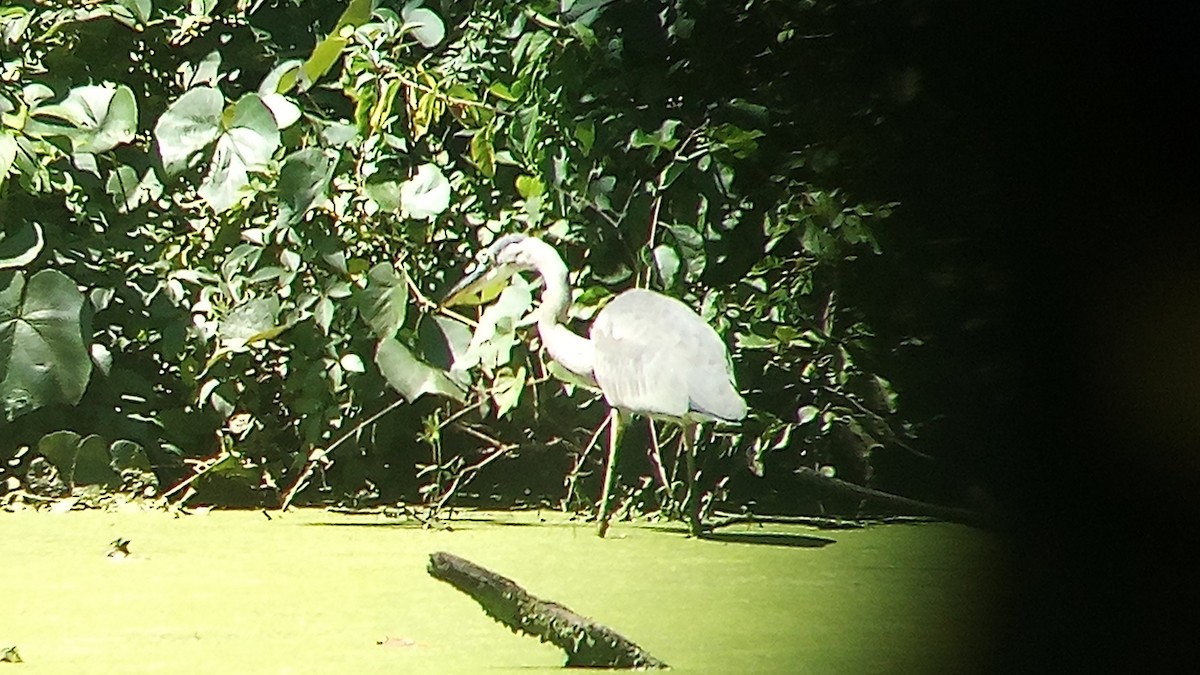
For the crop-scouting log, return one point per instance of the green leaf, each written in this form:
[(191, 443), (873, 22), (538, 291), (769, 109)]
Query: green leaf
[(128, 192), (529, 187), (100, 117), (506, 389), (303, 180), (385, 194), (79, 460), (753, 341), (247, 145), (807, 414), (327, 52), (43, 357), (426, 26), (188, 126), (585, 133), (483, 152), (426, 194), (383, 304), (281, 78), (502, 92), (411, 377), (241, 325), (494, 337), (666, 263), (21, 248), (128, 457), (8, 154)]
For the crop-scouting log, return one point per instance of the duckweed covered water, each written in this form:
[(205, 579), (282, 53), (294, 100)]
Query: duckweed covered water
[(318, 592)]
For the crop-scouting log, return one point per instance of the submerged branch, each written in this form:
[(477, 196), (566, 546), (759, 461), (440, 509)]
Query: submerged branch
[(587, 644)]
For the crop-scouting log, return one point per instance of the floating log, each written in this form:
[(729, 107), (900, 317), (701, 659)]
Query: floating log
[(587, 643)]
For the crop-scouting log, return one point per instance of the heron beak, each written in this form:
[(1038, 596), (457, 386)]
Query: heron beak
[(482, 285)]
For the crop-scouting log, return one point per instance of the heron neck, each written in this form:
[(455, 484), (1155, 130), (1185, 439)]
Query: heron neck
[(573, 351), (556, 296)]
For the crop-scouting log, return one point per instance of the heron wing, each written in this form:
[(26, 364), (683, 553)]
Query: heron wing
[(655, 356)]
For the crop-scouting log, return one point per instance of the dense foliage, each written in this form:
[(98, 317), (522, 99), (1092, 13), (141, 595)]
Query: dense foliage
[(226, 226)]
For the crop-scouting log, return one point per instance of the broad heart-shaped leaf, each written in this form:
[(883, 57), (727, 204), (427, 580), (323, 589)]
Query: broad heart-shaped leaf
[(21, 248), (100, 117), (79, 460), (247, 145), (426, 194), (248, 320), (426, 26), (188, 126), (303, 178), (384, 302), (412, 377), (43, 358)]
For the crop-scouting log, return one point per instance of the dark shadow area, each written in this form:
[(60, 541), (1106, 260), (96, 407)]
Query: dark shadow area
[(399, 524), (769, 539)]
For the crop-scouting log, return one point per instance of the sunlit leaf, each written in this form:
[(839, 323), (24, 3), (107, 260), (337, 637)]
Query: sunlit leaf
[(328, 51), (246, 146), (352, 363), (99, 117), (807, 414), (529, 187), (426, 26), (506, 389), (246, 321), (666, 263), (412, 377), (383, 304), (483, 153), (188, 126), (426, 194), (8, 153)]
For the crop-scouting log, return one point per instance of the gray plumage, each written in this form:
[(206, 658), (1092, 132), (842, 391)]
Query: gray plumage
[(649, 354)]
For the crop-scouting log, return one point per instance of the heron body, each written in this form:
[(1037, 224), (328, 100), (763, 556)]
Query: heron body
[(648, 353)]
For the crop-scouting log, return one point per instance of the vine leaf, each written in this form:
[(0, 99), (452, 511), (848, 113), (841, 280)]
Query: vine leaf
[(43, 359), (188, 126), (246, 145), (80, 460), (98, 118)]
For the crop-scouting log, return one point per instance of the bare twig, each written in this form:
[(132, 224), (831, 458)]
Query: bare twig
[(573, 475), (468, 473), (205, 466), (318, 455)]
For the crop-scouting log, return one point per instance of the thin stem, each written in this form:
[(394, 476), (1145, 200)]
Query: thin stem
[(318, 455)]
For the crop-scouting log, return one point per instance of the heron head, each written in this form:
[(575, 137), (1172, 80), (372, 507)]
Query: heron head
[(508, 255)]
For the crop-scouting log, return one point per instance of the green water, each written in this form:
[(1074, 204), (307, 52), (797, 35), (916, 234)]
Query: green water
[(316, 592)]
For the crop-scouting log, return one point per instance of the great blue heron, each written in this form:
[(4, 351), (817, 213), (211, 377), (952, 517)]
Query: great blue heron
[(648, 353)]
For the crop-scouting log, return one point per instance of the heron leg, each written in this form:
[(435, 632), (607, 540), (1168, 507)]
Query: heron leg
[(616, 429), (692, 500)]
